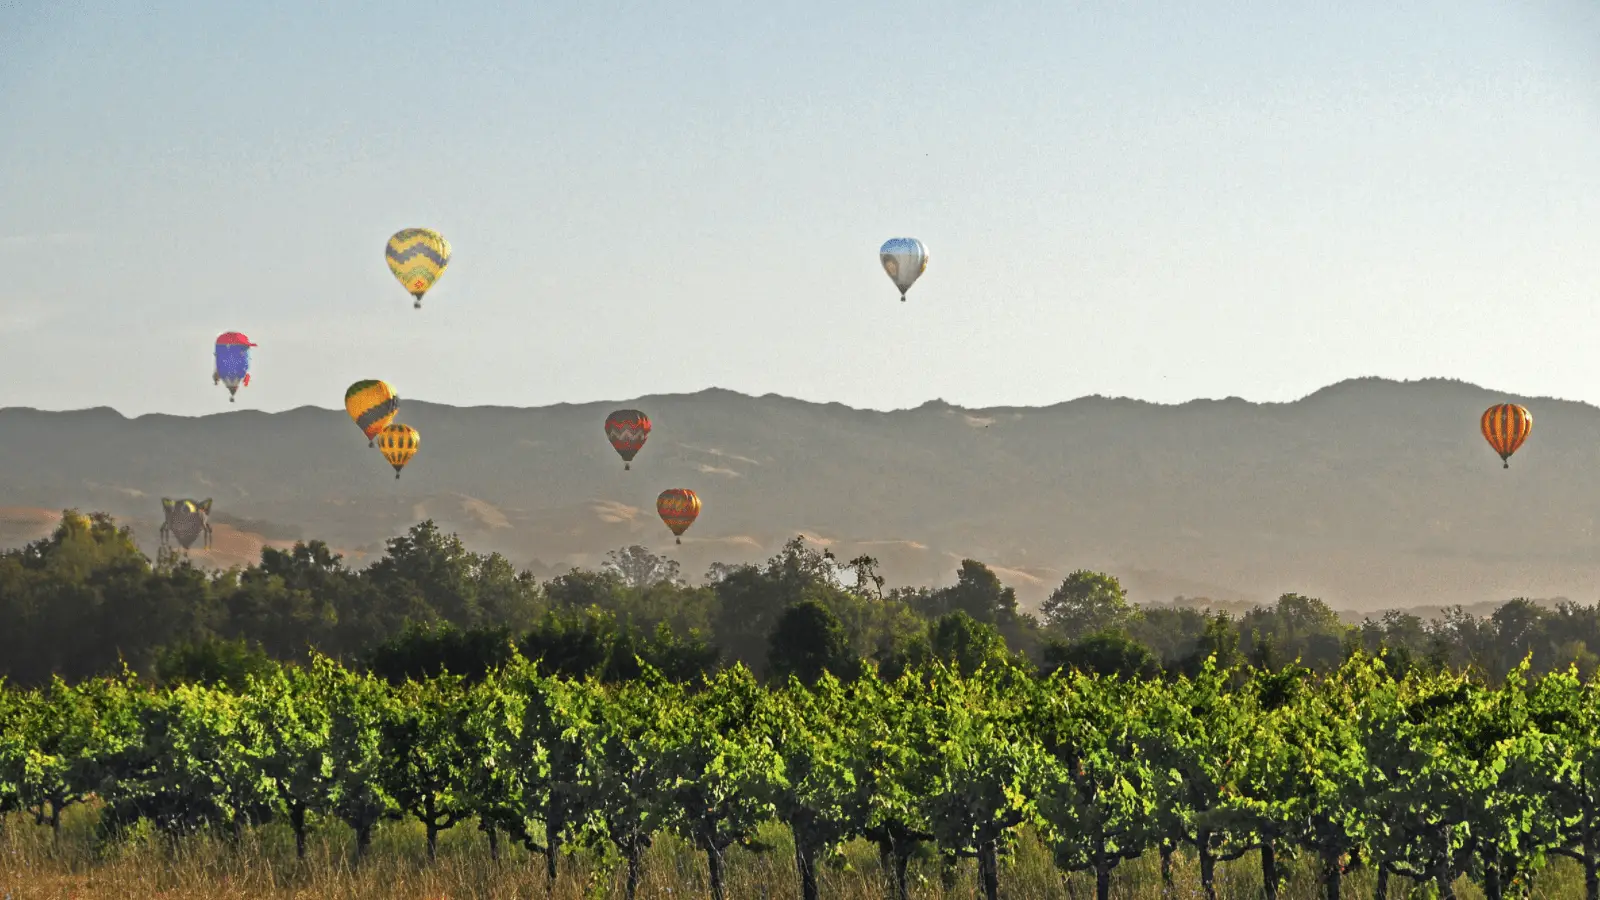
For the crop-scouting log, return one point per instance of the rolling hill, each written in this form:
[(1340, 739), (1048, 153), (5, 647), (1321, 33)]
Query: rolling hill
[(1369, 493)]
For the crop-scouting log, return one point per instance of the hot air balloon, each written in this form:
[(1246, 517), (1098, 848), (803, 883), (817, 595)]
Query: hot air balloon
[(398, 443), (905, 259), (233, 362), (627, 430), (1505, 427), (678, 507), (418, 257), (372, 404), (186, 520)]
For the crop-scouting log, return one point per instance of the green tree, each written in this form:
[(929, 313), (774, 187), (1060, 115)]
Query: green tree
[(1509, 816), (286, 622), (1086, 603), (638, 568), (719, 745), (1421, 786), (287, 731), (360, 711), (1328, 766), (428, 650), (977, 592), (1568, 772), (808, 641), (629, 773), (1096, 794), (1104, 653), (1296, 628), (214, 663), (864, 578), (190, 768), (429, 754), (75, 733), (1258, 809), (15, 739), (751, 599), (1196, 732), (890, 776), (542, 745), (980, 764), (965, 644), (1172, 632), (819, 794), (343, 614), (427, 575)]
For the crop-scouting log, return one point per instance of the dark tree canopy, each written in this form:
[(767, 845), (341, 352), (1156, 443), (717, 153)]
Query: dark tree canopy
[(808, 641), (84, 601)]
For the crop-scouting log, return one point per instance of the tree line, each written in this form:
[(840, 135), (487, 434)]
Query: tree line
[(85, 602)]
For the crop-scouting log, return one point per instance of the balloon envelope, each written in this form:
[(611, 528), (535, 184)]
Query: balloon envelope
[(905, 259), (372, 404), (627, 430), (186, 519), (1505, 427), (678, 508), (233, 360), (398, 443), (417, 257)]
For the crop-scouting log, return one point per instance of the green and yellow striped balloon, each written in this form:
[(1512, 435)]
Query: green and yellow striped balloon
[(418, 257), (372, 404)]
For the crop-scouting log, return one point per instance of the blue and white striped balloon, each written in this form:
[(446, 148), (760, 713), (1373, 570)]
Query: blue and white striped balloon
[(905, 259)]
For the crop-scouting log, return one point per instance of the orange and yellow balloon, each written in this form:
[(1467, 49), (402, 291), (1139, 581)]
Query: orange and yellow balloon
[(678, 507), (372, 404), (398, 443), (1505, 427)]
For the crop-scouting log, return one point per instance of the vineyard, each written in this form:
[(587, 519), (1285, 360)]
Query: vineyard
[(1356, 777)]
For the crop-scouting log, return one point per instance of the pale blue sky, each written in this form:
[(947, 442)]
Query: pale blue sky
[(1159, 199)]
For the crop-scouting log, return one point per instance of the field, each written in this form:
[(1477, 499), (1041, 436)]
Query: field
[(263, 865)]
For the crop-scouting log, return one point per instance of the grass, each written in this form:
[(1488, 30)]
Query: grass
[(34, 866)]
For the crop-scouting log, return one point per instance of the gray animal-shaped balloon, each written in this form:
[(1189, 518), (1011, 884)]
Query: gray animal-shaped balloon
[(187, 520)]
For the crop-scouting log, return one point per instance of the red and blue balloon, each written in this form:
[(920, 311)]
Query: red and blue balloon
[(233, 362)]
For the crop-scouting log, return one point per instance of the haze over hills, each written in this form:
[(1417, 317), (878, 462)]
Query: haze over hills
[(1369, 493)]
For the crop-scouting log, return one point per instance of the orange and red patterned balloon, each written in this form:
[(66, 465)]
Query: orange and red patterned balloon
[(678, 507), (1505, 427), (627, 430)]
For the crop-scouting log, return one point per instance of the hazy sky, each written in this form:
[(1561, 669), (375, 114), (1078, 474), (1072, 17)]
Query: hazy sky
[(1158, 199)]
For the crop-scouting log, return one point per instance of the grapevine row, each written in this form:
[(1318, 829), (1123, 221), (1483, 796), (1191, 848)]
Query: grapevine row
[(1429, 776)]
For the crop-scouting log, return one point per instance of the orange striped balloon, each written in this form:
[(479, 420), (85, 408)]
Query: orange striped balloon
[(678, 507), (1505, 427)]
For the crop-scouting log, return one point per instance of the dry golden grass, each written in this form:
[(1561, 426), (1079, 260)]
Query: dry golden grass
[(262, 866)]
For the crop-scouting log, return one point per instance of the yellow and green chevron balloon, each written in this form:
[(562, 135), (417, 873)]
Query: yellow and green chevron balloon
[(418, 257), (372, 404)]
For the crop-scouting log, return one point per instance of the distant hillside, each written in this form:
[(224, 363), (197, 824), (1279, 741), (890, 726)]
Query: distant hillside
[(1370, 493)]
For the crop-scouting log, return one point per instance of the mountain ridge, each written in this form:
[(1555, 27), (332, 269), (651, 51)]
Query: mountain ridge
[(1369, 492), (935, 402)]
